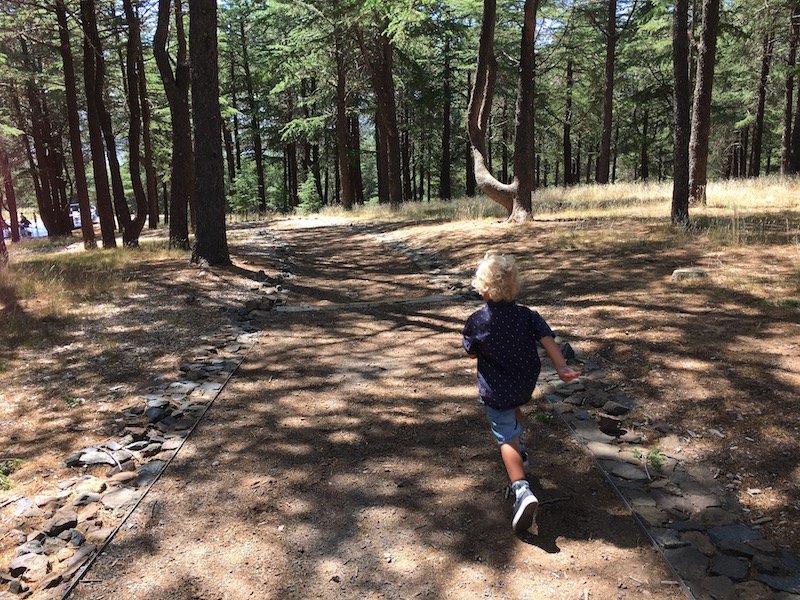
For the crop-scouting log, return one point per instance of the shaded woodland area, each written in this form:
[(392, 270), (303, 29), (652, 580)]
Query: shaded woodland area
[(113, 104)]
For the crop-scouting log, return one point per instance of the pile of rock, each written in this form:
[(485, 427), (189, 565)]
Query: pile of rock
[(693, 519), (57, 533)]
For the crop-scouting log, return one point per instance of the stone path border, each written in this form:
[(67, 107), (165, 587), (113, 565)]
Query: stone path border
[(83, 513)]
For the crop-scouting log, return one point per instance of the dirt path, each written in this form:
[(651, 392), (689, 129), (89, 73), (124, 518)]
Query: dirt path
[(348, 458)]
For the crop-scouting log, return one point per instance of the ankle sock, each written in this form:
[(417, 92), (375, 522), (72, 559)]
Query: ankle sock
[(519, 487)]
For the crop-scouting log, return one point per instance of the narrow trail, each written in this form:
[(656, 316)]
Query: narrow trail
[(348, 458)]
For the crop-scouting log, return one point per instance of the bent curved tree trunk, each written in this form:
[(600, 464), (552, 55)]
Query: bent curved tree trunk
[(515, 197)]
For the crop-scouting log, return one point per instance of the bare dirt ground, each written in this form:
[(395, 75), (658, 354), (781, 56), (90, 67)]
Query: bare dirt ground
[(348, 456)]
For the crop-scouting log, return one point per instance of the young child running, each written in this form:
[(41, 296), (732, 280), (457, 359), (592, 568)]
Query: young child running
[(502, 336)]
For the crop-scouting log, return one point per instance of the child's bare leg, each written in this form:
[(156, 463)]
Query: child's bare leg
[(512, 460)]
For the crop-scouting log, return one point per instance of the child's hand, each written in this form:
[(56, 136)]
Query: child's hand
[(566, 373)]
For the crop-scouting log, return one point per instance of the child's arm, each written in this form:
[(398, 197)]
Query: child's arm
[(565, 373)]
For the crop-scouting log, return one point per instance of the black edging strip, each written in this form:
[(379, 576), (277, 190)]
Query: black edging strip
[(88, 565), (636, 517)]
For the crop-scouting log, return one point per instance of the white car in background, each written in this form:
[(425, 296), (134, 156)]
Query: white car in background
[(75, 214)]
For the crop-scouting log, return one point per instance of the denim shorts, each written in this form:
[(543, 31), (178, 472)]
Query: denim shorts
[(504, 424)]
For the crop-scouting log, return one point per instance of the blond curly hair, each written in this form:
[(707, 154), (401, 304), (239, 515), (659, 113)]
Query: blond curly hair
[(497, 277)]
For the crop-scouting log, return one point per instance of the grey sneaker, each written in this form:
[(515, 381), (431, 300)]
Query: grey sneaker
[(525, 507)]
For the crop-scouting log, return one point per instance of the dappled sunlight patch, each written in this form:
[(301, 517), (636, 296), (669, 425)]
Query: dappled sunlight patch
[(352, 438)]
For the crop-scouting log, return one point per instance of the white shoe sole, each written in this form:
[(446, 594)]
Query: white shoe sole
[(526, 514)]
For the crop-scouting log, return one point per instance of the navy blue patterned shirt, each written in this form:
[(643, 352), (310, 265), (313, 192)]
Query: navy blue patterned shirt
[(503, 335)]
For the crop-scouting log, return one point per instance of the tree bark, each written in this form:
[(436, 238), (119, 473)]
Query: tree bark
[(758, 128), (681, 118), (346, 194), (356, 176), (211, 244), (134, 49), (701, 113), (255, 122), (11, 196), (105, 208), (604, 156), (147, 158), (788, 102), (73, 122), (405, 154), (445, 185), (567, 137), (644, 171), (470, 165), (176, 87), (516, 196), (378, 56)]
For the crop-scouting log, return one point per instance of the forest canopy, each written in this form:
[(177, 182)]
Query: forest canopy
[(344, 102)]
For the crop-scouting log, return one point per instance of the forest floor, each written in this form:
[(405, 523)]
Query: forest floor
[(348, 456)]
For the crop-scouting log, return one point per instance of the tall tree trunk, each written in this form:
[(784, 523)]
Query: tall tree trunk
[(701, 113), (211, 243), (105, 208), (148, 160), (342, 146), (176, 87), (794, 158), (230, 159), (445, 186), (758, 128), (255, 123), (11, 196), (567, 137), (379, 59), (356, 176), (43, 146), (505, 142), (73, 121), (604, 156), (470, 165), (681, 118), (644, 171), (134, 50), (234, 104), (405, 153), (788, 102), (381, 160), (516, 196)]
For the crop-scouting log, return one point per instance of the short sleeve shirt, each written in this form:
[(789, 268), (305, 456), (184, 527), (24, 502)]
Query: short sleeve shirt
[(503, 335)]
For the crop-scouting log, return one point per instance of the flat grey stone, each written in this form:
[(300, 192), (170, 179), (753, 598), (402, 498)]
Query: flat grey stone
[(61, 521), (96, 457), (624, 470), (752, 590), (588, 431), (729, 566), (31, 567), (32, 547), (149, 472), (120, 498), (689, 562), (785, 583), (667, 538), (85, 498), (688, 273), (652, 516), (604, 450), (615, 409), (700, 541), (716, 517), (733, 534), (719, 588), (767, 565)]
